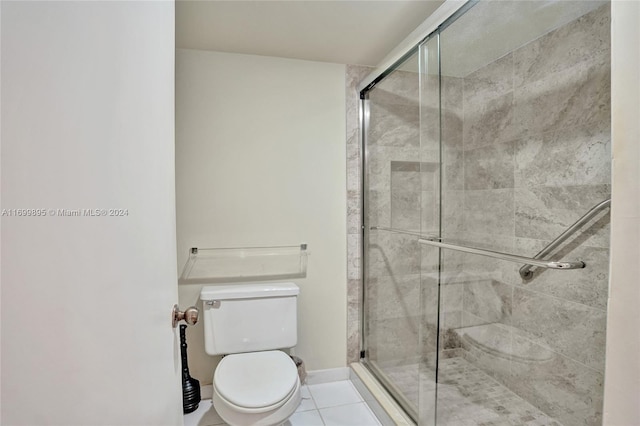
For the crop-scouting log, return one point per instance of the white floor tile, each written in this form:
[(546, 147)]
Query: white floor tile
[(346, 415), (307, 401), (205, 415), (305, 418), (333, 394)]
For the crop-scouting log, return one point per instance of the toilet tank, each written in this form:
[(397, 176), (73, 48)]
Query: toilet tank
[(249, 317)]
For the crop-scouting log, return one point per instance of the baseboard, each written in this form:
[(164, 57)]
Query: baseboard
[(206, 391), (316, 377)]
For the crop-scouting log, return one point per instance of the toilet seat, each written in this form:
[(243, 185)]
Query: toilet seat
[(256, 382)]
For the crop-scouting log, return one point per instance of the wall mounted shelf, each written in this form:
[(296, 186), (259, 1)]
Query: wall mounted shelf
[(225, 265)]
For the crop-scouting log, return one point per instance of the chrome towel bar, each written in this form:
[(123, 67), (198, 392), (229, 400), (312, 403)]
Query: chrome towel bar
[(506, 256), (528, 261)]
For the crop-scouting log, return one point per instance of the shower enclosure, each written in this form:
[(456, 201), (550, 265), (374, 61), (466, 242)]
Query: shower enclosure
[(482, 146)]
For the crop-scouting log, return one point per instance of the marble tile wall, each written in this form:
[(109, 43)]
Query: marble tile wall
[(535, 157)]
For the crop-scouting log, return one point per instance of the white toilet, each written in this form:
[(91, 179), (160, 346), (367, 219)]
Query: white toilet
[(255, 383)]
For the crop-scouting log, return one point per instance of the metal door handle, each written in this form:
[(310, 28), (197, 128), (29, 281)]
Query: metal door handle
[(190, 315)]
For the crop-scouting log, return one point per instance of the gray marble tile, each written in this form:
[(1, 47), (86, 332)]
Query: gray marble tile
[(393, 254), (452, 93), (452, 129), (430, 125), (393, 124), (451, 261), (429, 295), (489, 347), (379, 160), (450, 314), (573, 156), (394, 297), (588, 286), (490, 122), (430, 91), (354, 303), (489, 82), (586, 39), (379, 210), (395, 340), (353, 75), (353, 345), (429, 213), (571, 329), (489, 211), (353, 256), (452, 213), (399, 87), (354, 204), (470, 320), (546, 212), (483, 267), (576, 96), (429, 259), (445, 121), (430, 176), (562, 388), (405, 176), (453, 169), (488, 299), (489, 167), (354, 170), (354, 292)]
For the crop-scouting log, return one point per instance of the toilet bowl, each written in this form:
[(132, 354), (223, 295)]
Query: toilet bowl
[(255, 383), (256, 388)]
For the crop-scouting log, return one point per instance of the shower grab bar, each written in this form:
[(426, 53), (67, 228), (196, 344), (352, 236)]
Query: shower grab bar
[(506, 256), (431, 241), (525, 271)]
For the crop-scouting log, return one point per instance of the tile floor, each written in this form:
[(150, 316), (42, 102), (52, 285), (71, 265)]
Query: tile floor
[(467, 396), (326, 404)]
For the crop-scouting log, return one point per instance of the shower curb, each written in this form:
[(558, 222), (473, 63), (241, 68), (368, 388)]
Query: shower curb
[(383, 406)]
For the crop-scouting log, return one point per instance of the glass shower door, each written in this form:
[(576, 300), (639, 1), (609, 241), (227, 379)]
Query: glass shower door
[(492, 134), (395, 180), (525, 153)]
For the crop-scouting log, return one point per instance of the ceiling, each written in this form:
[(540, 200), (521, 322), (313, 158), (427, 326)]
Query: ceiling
[(347, 32)]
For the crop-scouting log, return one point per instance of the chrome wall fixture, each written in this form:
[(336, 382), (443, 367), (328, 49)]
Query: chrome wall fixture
[(530, 262), (525, 271)]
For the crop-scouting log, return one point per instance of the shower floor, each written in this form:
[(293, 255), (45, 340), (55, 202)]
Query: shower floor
[(467, 396)]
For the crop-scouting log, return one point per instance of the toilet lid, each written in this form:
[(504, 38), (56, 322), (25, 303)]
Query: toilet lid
[(256, 379)]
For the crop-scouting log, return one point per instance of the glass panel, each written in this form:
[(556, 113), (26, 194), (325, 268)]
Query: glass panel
[(430, 153), (525, 153), (392, 260)]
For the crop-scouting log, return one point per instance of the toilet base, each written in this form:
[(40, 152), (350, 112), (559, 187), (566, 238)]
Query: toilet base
[(268, 418)]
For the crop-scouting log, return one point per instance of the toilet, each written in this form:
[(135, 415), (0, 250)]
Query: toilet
[(255, 383)]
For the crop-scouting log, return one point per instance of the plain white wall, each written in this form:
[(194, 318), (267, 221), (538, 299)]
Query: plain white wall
[(260, 161), (88, 122), (622, 375)]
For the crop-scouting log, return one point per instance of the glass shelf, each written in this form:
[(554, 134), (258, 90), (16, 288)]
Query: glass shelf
[(223, 265)]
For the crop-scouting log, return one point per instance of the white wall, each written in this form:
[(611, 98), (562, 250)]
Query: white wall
[(622, 375), (260, 161), (88, 122)]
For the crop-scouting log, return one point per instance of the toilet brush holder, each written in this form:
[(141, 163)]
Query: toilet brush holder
[(190, 386)]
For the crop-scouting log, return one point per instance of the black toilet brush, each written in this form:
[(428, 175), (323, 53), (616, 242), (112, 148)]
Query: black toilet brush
[(190, 386)]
